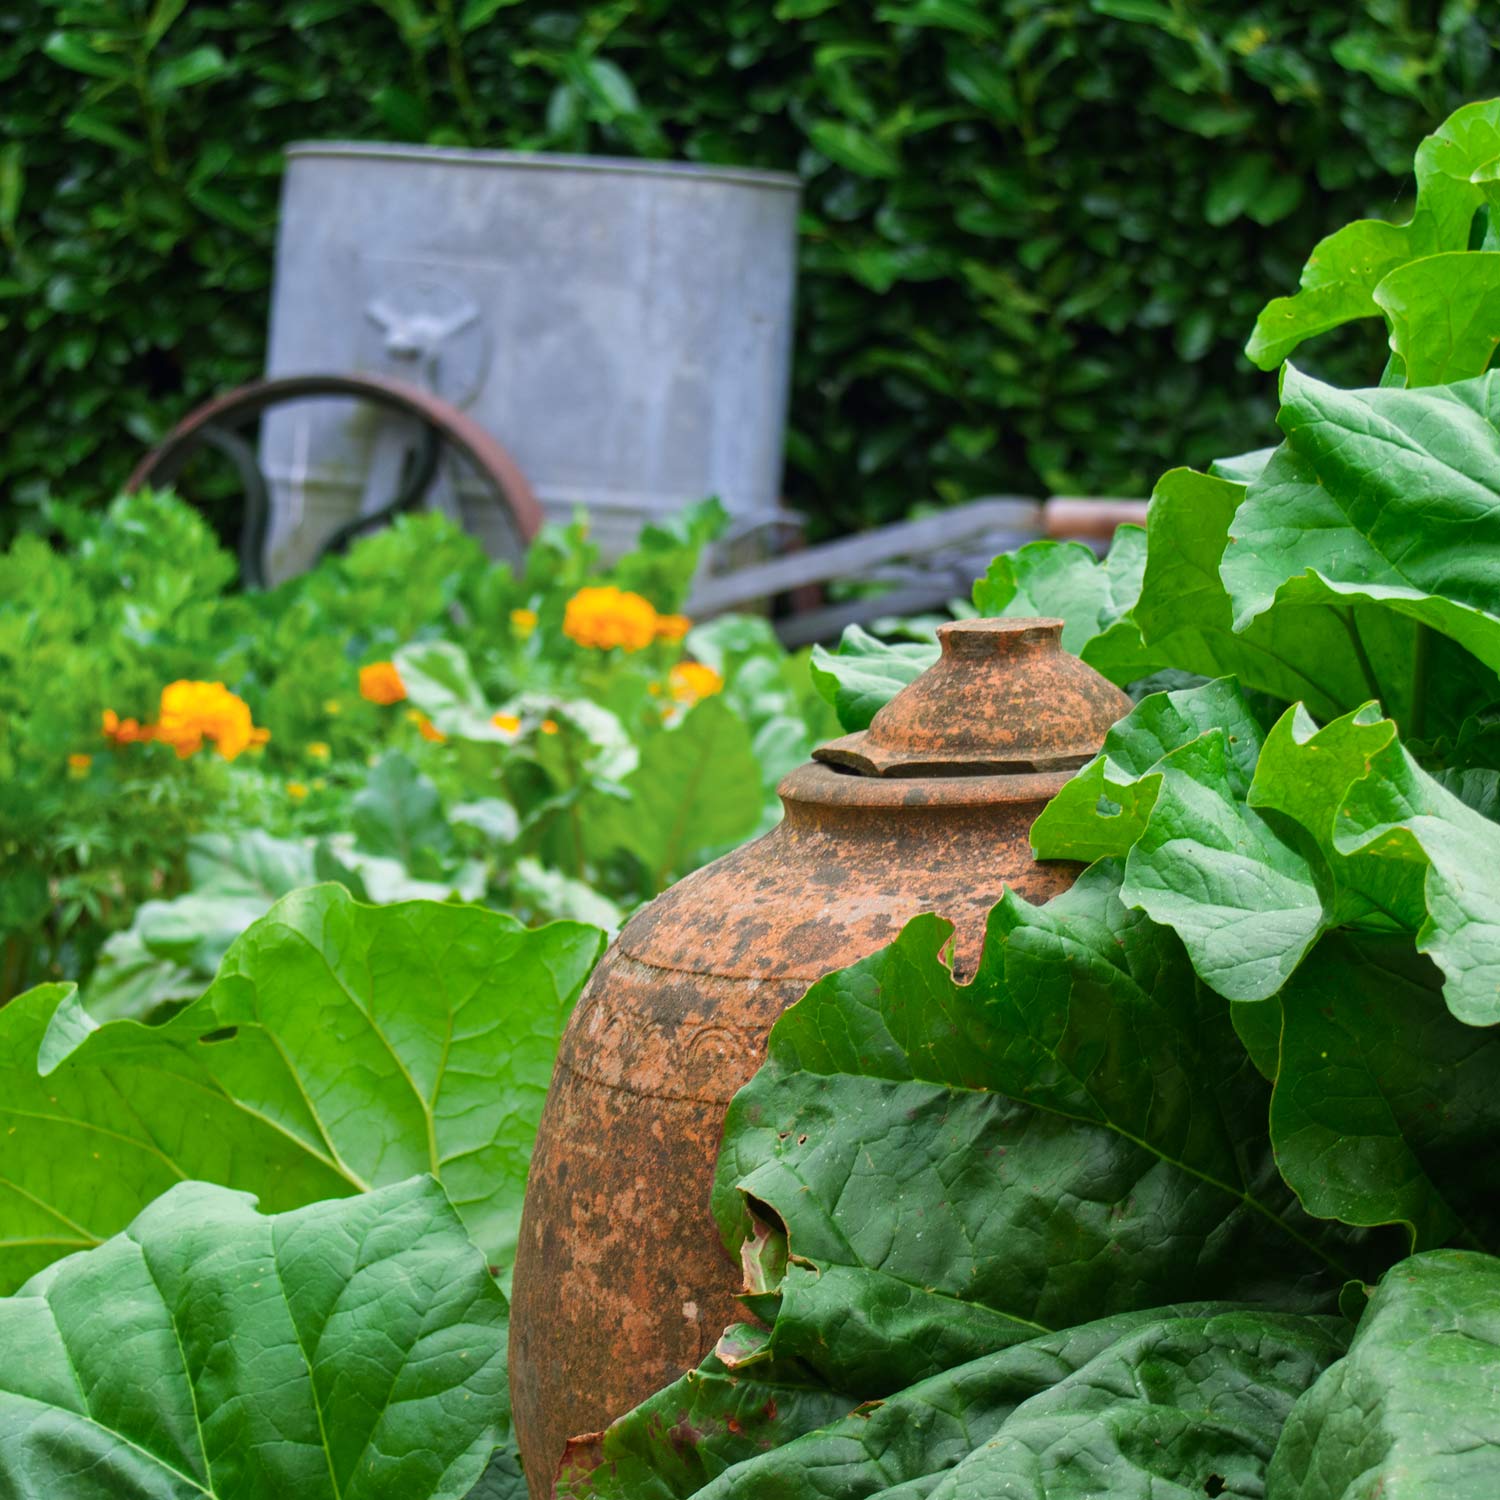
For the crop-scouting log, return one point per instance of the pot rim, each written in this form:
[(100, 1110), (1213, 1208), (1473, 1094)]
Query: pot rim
[(620, 166), (815, 784)]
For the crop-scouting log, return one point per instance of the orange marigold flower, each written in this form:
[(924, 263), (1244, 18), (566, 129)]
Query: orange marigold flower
[(672, 627), (380, 682), (120, 731), (523, 622), (78, 766), (192, 712), (604, 618), (691, 680), (509, 723), (426, 728), (549, 726)]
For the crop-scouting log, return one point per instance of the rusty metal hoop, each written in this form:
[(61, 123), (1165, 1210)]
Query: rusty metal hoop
[(213, 424)]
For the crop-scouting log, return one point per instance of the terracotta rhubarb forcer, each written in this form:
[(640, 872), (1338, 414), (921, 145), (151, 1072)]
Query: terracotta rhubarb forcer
[(621, 1282)]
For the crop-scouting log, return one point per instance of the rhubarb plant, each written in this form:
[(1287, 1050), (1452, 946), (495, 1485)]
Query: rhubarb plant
[(1191, 1189)]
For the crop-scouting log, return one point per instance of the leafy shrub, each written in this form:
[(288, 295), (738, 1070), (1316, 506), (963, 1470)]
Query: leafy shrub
[(1086, 1223), (1033, 231)]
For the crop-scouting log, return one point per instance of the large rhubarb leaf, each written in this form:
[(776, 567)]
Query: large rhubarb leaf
[(933, 1170), (1397, 837), (352, 1350), (865, 673), (1381, 1095), (1332, 658), (342, 1047), (1175, 774), (1379, 497), (1410, 1412), (1386, 1107), (1342, 274), (1111, 1407), (1092, 598), (1183, 791), (1443, 312)]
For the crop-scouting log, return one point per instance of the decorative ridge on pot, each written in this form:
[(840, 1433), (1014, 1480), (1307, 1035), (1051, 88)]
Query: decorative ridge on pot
[(1003, 698)]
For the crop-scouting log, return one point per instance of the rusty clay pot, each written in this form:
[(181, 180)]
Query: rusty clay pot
[(621, 1282)]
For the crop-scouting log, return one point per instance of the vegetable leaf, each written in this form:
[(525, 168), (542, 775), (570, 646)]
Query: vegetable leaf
[(697, 789), (1185, 613), (1050, 1417), (1443, 311), (1395, 834), (1093, 598), (1341, 275), (1384, 1103), (1410, 1410), (1383, 496), (1198, 857), (341, 1047), (1016, 1117), (865, 673), (352, 1349)]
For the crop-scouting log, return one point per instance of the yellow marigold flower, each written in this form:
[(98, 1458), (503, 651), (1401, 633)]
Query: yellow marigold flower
[(509, 723), (192, 712), (380, 682), (78, 766), (549, 726), (426, 728), (332, 706), (691, 680), (318, 750), (523, 622), (672, 627), (604, 618), (296, 791)]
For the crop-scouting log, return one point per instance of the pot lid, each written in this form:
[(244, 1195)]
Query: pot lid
[(1002, 698)]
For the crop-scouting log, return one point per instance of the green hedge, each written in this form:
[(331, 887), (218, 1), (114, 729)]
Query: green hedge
[(1036, 233)]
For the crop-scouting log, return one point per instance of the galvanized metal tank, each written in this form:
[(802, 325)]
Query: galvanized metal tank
[(623, 327), (621, 1282)]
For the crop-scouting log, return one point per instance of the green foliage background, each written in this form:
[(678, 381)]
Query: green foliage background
[(1036, 235)]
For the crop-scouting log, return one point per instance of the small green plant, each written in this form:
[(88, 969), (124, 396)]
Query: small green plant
[(410, 720)]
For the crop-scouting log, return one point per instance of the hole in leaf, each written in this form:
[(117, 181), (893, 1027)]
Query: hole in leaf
[(765, 1214), (1213, 1485), (223, 1034)]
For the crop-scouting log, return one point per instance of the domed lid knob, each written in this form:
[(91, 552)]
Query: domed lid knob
[(1002, 698)]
